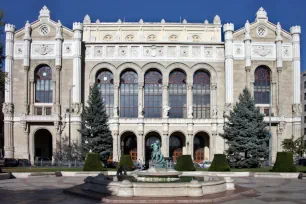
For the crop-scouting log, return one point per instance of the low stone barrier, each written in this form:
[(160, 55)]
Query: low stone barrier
[(4, 176)]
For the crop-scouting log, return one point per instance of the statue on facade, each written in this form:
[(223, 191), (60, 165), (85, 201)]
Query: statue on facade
[(116, 111), (190, 111), (157, 158), (166, 111), (215, 111), (140, 110)]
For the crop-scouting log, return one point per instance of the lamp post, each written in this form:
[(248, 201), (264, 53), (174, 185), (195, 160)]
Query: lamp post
[(270, 132), (69, 129)]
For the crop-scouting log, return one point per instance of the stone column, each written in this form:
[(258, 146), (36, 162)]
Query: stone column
[(8, 106), (213, 101), (26, 64), (115, 147), (32, 97), (165, 94), (140, 100), (165, 145), (212, 145), (140, 147), (296, 31), (116, 100), (189, 101), (58, 64), (229, 83), (247, 48)]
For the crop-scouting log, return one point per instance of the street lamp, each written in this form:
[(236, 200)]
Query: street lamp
[(270, 132), (69, 129)]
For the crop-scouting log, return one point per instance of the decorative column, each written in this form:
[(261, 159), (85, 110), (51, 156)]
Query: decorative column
[(166, 108), (32, 96), (213, 101), (296, 106), (77, 82), (229, 86), (140, 136), (115, 130), (58, 63), (247, 47), (140, 100), (26, 63), (279, 65), (8, 106), (140, 147), (189, 101), (188, 149)]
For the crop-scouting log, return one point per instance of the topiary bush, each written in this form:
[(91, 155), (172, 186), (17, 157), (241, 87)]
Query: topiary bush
[(284, 162), (184, 163), (126, 162), (92, 162), (219, 163)]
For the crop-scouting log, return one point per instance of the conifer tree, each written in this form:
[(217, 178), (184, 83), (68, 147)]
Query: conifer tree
[(96, 135), (246, 134)]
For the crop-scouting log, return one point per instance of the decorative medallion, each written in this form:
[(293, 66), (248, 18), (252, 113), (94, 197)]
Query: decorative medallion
[(44, 30), (262, 50), (43, 49), (262, 31)]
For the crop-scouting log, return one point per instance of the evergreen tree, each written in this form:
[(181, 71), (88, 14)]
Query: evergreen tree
[(246, 134), (96, 136)]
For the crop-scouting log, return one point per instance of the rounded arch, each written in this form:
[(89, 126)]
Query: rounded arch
[(100, 66), (125, 131), (207, 68), (177, 141), (201, 146), (43, 144), (128, 66), (128, 144), (38, 65), (262, 84), (43, 77), (150, 138), (152, 65), (181, 66)]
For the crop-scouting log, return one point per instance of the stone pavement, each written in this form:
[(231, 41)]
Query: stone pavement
[(48, 189)]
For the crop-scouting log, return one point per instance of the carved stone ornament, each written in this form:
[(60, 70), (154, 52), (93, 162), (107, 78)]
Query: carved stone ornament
[(213, 86), (166, 110), (116, 111), (98, 51), (214, 112), (78, 108), (140, 110), (296, 109), (208, 52), (23, 122), (262, 50), (190, 111), (196, 51), (228, 107), (43, 49), (8, 109), (153, 51), (184, 51), (282, 124), (67, 49)]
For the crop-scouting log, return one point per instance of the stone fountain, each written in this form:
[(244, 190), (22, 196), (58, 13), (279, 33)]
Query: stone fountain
[(157, 181)]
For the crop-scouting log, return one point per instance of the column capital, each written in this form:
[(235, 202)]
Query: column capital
[(116, 85), (8, 109), (189, 86), (165, 86), (140, 85), (58, 68), (248, 69)]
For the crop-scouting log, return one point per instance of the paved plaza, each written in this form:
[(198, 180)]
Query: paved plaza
[(44, 190)]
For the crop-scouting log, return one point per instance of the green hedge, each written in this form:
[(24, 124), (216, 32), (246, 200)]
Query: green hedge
[(184, 163), (219, 163), (284, 163), (127, 163), (92, 162)]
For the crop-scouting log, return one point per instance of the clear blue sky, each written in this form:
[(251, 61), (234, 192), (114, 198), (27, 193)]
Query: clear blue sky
[(287, 12)]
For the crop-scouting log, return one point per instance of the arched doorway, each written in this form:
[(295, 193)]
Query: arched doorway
[(43, 144), (149, 140), (176, 144), (129, 145), (201, 147)]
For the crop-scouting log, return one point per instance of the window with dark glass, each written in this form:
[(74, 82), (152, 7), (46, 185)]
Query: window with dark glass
[(44, 87), (105, 80), (129, 94), (153, 94), (262, 85), (304, 84), (304, 96), (201, 95), (177, 94)]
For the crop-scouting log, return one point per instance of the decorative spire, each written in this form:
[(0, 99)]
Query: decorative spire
[(87, 19), (278, 32), (97, 21), (163, 21), (217, 20), (59, 30), (44, 13), (184, 21), (141, 21), (27, 31), (247, 31), (119, 21), (261, 14), (206, 21)]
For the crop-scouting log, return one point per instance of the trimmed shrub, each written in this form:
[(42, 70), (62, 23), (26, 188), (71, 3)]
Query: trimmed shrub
[(92, 162), (184, 163), (284, 162), (219, 163), (126, 162)]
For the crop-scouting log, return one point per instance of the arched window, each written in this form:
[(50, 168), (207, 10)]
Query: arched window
[(177, 94), (262, 85), (105, 80), (201, 95), (153, 94), (129, 94), (44, 86)]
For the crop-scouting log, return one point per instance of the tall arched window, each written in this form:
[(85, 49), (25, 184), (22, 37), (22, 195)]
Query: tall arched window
[(129, 94), (262, 85), (105, 80), (153, 94), (177, 94), (44, 86), (201, 95)]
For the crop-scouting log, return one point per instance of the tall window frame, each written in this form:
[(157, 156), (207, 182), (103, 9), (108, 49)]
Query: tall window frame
[(153, 94), (129, 94), (105, 80), (43, 84), (262, 85), (177, 94), (201, 94)]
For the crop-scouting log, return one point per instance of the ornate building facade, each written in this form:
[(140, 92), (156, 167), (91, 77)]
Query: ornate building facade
[(172, 82)]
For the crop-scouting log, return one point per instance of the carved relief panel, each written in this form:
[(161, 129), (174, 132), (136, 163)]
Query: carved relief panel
[(43, 49), (110, 51), (238, 50), (263, 51)]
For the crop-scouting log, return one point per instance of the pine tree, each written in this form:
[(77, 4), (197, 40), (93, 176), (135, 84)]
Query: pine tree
[(96, 136), (246, 134)]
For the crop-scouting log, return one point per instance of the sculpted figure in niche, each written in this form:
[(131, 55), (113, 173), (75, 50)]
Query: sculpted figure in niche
[(190, 111), (140, 109), (166, 111), (116, 111)]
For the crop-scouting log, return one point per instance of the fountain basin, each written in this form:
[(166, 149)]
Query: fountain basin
[(127, 188), (157, 175)]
